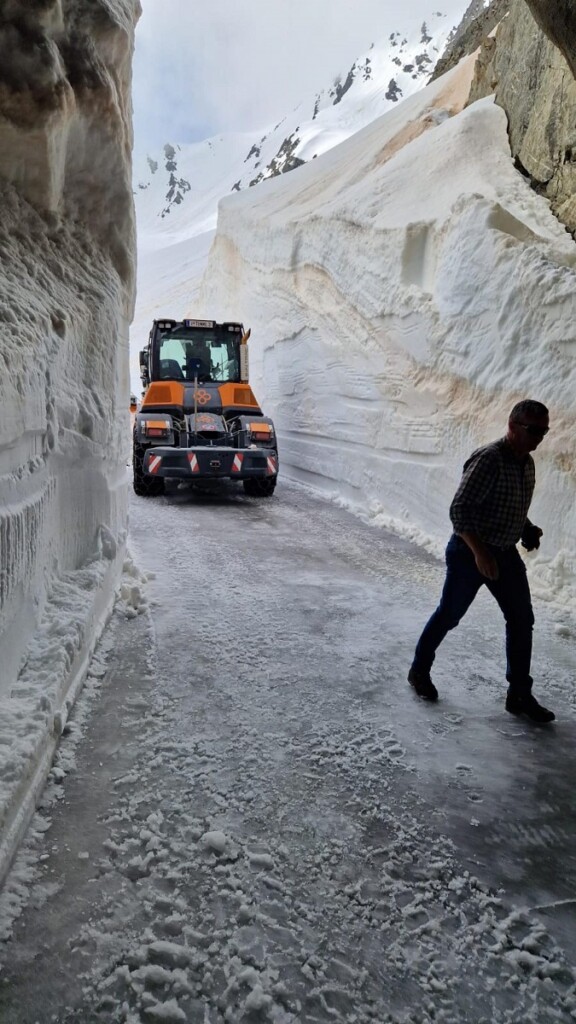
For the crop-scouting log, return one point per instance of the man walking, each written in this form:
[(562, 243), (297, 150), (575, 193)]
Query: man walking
[(489, 514)]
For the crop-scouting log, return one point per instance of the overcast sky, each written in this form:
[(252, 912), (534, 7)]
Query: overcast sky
[(208, 66)]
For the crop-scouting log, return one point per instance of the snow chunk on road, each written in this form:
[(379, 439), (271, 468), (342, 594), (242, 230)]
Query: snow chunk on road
[(261, 860), (169, 1013), (216, 841), (132, 597), (170, 953)]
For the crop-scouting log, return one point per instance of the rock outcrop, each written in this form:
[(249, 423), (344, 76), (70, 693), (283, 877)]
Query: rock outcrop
[(478, 22), (528, 66), (557, 18), (533, 83)]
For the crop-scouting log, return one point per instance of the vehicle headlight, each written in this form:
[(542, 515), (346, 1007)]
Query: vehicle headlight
[(262, 432), (155, 428)]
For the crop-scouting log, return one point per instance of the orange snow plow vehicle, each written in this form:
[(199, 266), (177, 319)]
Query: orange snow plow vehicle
[(199, 419)]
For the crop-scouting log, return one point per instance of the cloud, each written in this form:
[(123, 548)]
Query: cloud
[(237, 65)]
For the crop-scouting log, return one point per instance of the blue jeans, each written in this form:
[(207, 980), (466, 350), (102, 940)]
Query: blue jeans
[(511, 590)]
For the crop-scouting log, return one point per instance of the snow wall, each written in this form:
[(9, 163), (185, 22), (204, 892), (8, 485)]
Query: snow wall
[(404, 291), (67, 243)]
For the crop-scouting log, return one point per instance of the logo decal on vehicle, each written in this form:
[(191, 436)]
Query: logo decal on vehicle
[(203, 397)]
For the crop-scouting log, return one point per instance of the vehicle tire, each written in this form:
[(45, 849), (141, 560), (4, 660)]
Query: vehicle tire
[(260, 487), (145, 486)]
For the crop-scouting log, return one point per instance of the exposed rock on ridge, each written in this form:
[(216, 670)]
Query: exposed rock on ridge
[(557, 18), (475, 26), (533, 83)]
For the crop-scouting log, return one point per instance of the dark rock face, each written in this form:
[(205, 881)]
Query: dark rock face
[(525, 70), (475, 26), (285, 160), (533, 83), (177, 187), (557, 19), (254, 151), (394, 92), (341, 88)]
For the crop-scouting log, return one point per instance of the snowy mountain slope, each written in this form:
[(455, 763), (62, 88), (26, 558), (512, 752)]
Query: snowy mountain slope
[(181, 187), (177, 195)]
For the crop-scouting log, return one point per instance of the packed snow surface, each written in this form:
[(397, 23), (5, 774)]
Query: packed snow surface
[(252, 817)]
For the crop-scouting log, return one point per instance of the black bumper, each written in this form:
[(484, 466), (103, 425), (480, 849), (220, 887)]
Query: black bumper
[(211, 462)]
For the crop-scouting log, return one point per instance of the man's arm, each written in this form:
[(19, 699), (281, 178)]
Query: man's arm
[(485, 560), (475, 486)]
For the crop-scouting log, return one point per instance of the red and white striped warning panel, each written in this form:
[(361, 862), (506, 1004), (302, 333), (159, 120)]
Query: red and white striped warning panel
[(154, 464), (194, 467), (237, 463), (271, 465)]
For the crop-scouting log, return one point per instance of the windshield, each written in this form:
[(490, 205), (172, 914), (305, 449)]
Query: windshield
[(212, 354)]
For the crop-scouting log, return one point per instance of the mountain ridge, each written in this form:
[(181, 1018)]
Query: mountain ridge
[(169, 185)]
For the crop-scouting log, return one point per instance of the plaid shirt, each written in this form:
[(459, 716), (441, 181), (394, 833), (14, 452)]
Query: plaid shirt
[(494, 495)]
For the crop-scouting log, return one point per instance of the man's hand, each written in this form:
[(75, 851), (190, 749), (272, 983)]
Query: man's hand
[(487, 564), (485, 561), (530, 538)]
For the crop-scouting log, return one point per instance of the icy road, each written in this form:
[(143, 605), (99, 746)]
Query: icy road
[(253, 818)]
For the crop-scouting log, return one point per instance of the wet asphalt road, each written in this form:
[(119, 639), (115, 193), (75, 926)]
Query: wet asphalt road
[(257, 820)]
